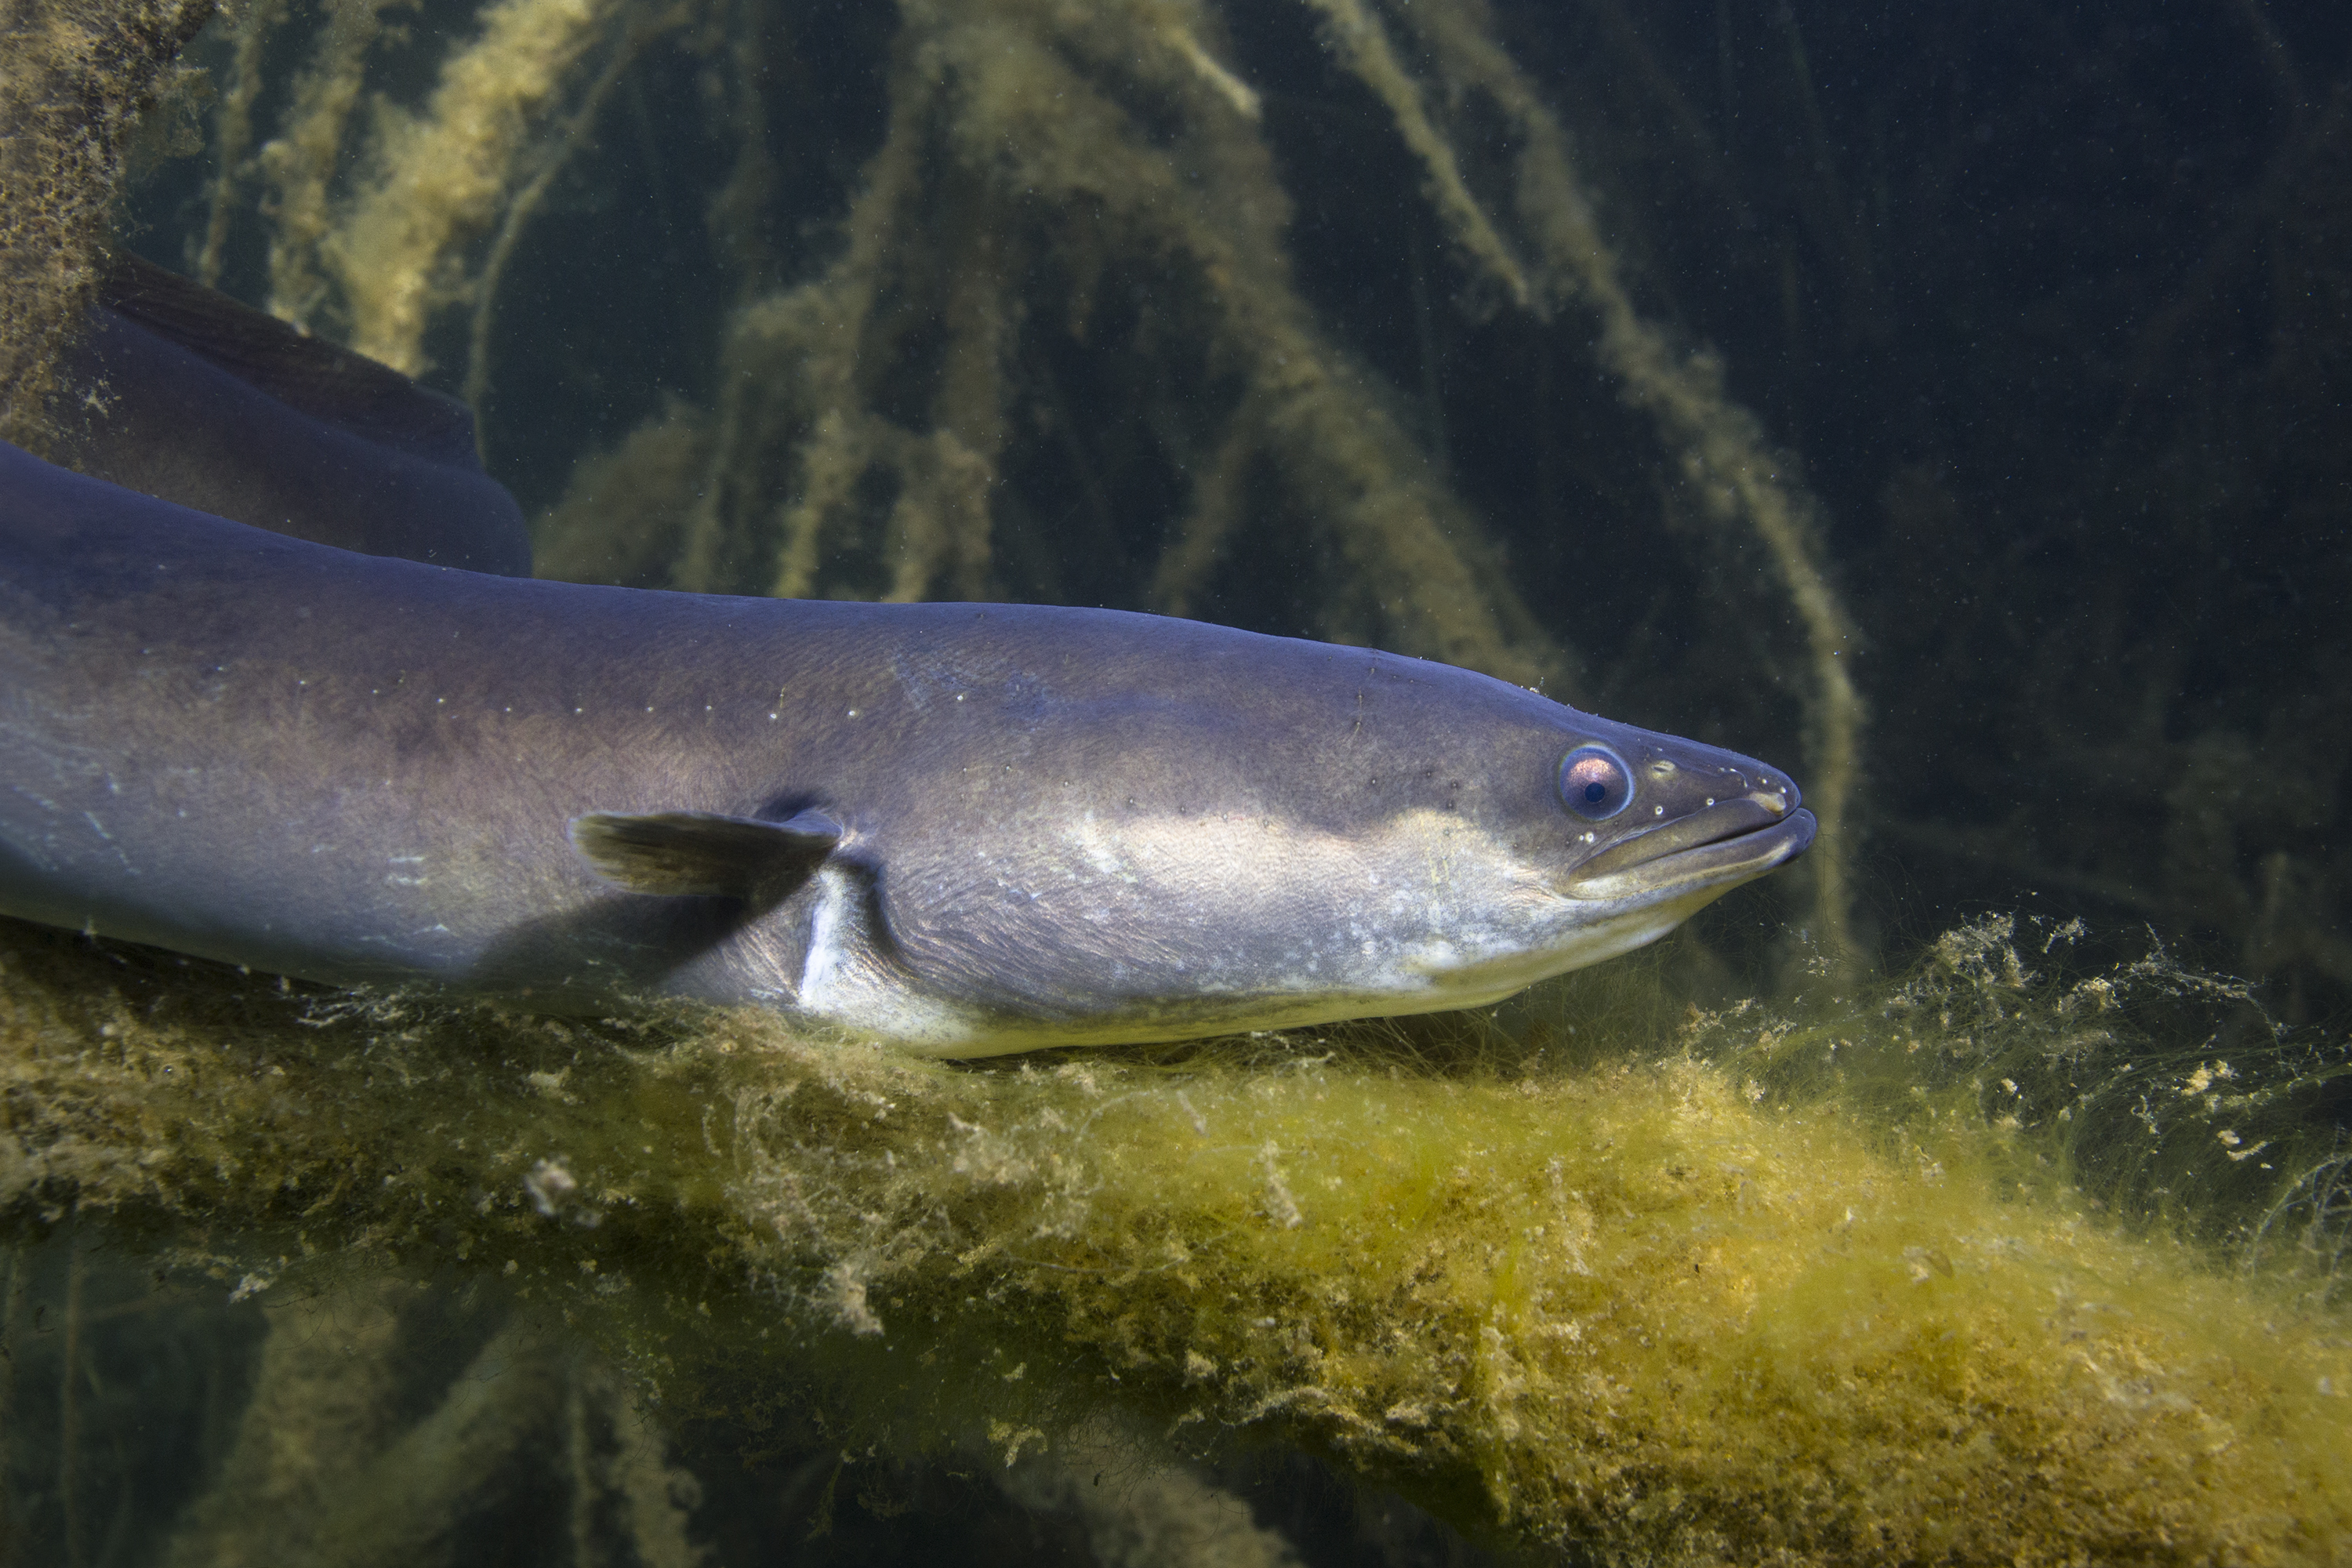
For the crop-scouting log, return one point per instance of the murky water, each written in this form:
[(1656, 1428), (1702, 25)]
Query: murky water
[(1950, 407)]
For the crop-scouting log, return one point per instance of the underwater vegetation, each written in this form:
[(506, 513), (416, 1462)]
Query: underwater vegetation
[(1489, 332), (78, 77), (1908, 1279)]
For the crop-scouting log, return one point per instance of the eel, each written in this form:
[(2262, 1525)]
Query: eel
[(178, 391), (963, 828)]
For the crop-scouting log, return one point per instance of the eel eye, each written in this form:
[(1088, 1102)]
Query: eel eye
[(1595, 783)]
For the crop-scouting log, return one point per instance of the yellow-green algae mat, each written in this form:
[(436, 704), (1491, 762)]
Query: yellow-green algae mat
[(1642, 1303)]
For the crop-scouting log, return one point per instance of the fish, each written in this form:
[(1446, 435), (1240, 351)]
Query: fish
[(958, 829), (180, 391)]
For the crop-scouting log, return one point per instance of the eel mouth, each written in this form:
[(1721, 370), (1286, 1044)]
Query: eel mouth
[(1732, 842)]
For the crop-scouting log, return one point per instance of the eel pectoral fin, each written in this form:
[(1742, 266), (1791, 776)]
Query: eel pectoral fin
[(681, 853)]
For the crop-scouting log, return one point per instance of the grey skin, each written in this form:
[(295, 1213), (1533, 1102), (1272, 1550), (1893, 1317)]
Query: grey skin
[(180, 391), (969, 828)]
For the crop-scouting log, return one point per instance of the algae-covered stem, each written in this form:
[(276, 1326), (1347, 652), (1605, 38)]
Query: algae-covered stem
[(1722, 449), (78, 75), (1630, 1304)]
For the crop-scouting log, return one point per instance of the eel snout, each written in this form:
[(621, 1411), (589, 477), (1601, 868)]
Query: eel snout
[(1730, 841)]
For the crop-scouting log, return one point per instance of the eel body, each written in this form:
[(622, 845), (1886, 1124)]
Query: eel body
[(181, 392), (966, 828)]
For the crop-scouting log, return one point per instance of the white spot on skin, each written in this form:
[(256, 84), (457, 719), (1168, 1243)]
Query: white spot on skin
[(824, 954), (842, 983)]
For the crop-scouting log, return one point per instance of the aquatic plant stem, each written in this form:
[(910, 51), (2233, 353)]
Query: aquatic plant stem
[(233, 133), (303, 162), (1011, 148), (1653, 1302), (574, 136), (1358, 36), (1724, 456), (77, 76), (443, 176)]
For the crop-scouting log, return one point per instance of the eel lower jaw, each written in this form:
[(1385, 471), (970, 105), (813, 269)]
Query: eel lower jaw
[(1717, 848)]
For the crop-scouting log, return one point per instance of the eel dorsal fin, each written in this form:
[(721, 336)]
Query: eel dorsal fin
[(672, 854), (332, 385)]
